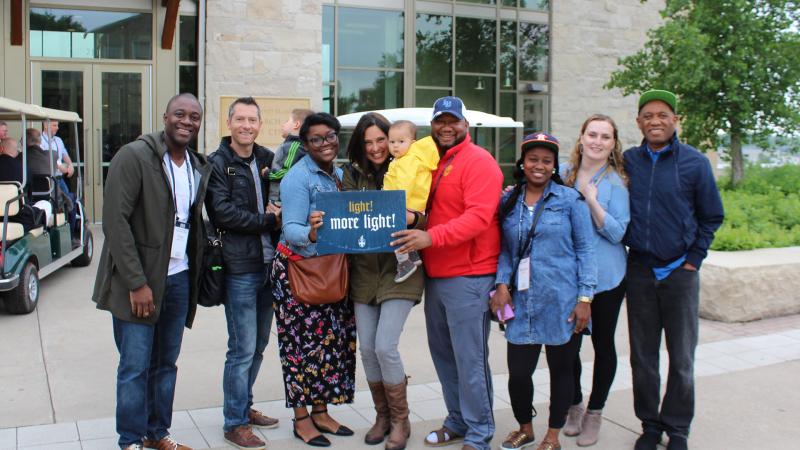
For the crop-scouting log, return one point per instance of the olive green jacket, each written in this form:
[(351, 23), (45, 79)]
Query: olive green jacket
[(372, 275), (138, 221)]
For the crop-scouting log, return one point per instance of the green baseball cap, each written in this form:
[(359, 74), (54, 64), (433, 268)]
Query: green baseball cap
[(657, 94)]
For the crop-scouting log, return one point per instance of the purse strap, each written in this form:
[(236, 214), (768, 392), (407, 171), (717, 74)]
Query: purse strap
[(436, 183)]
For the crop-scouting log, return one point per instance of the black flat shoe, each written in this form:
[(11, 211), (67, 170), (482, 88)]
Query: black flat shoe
[(341, 431), (317, 441)]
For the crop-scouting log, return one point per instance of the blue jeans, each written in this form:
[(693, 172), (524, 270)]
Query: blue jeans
[(457, 321), (248, 310), (671, 305), (147, 371)]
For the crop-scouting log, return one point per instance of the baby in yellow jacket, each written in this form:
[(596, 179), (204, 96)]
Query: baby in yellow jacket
[(410, 171)]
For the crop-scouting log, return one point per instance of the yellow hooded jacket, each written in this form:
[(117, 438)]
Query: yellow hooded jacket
[(413, 172)]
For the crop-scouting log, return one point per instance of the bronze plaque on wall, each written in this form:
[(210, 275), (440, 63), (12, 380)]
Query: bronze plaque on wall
[(274, 112)]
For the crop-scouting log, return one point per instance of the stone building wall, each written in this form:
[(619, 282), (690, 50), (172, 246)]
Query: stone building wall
[(588, 38), (270, 48)]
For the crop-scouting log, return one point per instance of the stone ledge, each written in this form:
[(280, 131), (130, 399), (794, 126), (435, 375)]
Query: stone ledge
[(750, 285)]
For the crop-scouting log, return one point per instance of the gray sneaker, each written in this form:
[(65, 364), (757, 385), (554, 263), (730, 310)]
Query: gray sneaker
[(413, 255), (574, 419), (404, 270), (590, 428)]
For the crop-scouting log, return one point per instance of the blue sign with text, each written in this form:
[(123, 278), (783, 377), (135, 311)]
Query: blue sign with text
[(360, 221)]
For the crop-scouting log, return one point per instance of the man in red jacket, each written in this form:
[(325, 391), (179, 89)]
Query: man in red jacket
[(460, 246)]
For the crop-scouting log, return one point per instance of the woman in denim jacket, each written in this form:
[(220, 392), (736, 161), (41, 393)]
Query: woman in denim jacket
[(548, 282), (317, 343), (595, 168)]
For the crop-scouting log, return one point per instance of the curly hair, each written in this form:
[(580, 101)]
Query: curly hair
[(615, 160)]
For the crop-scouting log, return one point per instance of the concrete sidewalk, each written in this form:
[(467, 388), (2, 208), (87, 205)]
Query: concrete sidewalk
[(57, 381)]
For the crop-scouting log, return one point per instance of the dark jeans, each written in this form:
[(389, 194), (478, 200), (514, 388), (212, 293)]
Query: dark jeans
[(522, 360), (670, 305), (248, 311), (147, 371), (605, 312)]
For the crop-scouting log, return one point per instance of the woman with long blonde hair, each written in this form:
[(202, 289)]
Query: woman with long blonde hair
[(596, 169)]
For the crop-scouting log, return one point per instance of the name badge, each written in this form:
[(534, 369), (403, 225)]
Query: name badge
[(180, 239), (524, 274)]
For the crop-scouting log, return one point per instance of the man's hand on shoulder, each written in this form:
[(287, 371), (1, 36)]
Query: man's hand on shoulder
[(142, 305)]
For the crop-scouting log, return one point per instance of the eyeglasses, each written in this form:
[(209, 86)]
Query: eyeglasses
[(318, 141)]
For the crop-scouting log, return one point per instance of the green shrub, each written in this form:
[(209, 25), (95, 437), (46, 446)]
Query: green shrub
[(763, 211)]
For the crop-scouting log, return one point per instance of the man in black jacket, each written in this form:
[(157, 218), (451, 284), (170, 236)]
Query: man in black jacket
[(238, 206)]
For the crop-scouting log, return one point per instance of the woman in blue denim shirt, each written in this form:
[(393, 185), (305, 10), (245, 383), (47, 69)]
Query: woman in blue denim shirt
[(317, 343), (552, 279), (595, 168)]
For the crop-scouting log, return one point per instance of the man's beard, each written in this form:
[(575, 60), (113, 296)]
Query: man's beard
[(444, 148)]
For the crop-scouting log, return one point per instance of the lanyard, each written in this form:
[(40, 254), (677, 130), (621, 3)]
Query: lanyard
[(189, 175), (438, 179)]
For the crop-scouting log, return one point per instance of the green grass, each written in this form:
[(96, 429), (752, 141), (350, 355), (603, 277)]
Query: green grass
[(763, 211)]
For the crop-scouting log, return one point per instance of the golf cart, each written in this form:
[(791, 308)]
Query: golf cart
[(26, 256)]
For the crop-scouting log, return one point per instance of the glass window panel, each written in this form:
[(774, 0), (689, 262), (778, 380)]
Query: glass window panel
[(121, 97), (532, 115), (187, 79), (327, 98), (477, 92), (507, 148), (365, 90), (327, 43), (482, 2), (426, 97), (35, 42), (509, 2), (57, 44), (434, 49), (371, 38), (107, 34), (508, 175), (483, 137), (64, 90), (535, 5), (187, 46), (534, 49), (475, 45), (508, 54)]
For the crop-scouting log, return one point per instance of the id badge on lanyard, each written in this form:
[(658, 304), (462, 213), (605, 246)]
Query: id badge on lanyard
[(524, 274), (180, 239)]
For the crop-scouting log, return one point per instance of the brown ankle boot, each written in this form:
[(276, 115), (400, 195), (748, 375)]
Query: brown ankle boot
[(380, 429), (398, 407)]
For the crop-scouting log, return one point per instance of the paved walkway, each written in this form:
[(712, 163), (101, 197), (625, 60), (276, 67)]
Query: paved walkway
[(201, 428), (58, 368)]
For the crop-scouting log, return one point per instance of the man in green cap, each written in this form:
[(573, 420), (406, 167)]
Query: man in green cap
[(675, 210)]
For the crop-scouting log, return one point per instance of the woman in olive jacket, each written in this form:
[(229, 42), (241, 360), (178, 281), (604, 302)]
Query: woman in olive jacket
[(381, 305)]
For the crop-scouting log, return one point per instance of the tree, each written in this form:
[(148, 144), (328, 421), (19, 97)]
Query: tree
[(734, 64)]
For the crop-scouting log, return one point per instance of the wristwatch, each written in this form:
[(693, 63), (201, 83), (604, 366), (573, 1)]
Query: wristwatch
[(584, 299)]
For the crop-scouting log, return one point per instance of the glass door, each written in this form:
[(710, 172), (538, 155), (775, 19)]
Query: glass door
[(114, 102), (121, 113)]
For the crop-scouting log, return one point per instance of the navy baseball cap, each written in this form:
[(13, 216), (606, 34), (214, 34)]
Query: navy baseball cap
[(540, 139), (448, 105)]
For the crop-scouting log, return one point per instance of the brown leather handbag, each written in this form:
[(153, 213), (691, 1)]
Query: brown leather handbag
[(319, 280)]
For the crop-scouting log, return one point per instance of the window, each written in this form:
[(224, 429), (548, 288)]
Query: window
[(475, 45), (65, 33), (187, 55), (534, 51)]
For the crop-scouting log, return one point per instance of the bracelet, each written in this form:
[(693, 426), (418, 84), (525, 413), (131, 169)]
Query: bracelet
[(584, 299), (416, 219)]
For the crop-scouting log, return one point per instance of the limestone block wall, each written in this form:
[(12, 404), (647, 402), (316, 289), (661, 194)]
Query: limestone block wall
[(750, 285), (261, 48), (587, 39)]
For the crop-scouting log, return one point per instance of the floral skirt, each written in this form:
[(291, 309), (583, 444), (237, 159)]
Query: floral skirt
[(317, 345)]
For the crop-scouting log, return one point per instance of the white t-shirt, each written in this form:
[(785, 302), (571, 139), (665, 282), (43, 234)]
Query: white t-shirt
[(184, 188), (58, 145)]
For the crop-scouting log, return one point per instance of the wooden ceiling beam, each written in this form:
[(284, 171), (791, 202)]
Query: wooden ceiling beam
[(170, 23), (16, 22)]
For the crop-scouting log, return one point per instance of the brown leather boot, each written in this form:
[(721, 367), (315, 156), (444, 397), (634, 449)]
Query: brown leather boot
[(398, 408), (380, 429)]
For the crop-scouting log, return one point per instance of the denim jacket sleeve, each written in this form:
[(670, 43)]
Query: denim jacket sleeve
[(505, 261), (583, 240), (617, 216), (296, 200)]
